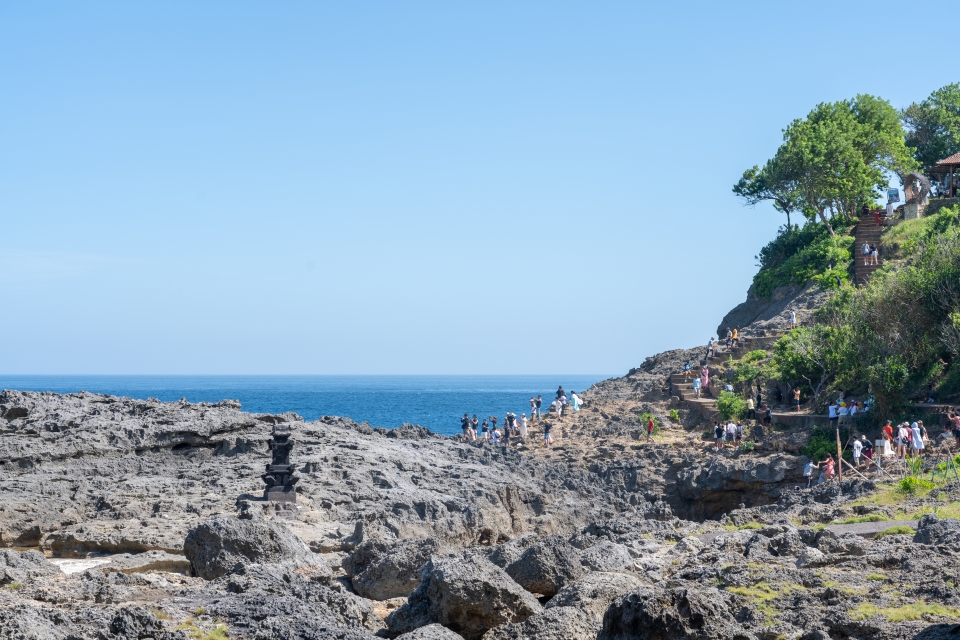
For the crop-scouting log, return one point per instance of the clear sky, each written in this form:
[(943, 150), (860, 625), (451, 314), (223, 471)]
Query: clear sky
[(402, 187)]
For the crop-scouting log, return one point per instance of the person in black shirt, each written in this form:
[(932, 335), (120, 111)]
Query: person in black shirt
[(465, 423)]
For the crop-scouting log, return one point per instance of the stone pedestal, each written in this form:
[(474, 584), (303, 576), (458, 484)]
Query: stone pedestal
[(912, 211), (280, 478)]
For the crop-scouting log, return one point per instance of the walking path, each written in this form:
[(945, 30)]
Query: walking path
[(863, 529), (866, 231)]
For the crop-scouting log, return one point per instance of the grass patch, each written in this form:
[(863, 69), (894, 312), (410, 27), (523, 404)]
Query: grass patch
[(741, 527), (762, 591), (870, 517), (914, 486), (915, 611), (895, 531), (876, 577), (14, 586), (160, 614), (219, 632)]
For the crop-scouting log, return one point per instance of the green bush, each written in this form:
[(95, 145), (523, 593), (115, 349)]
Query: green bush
[(642, 419), (823, 442), (798, 255), (731, 406), (747, 446), (674, 415), (911, 485), (753, 356)]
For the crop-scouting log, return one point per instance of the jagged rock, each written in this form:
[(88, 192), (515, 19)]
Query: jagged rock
[(547, 566), (431, 632), (269, 582), (811, 557), (595, 591), (694, 613), (22, 567), (845, 543), (558, 623), (788, 543), (382, 570), (509, 552), (606, 556), (222, 545), (466, 593), (148, 561), (136, 623), (689, 545), (934, 530)]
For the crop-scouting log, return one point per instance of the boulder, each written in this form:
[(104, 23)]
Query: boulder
[(466, 593), (382, 570), (789, 543), (844, 543), (934, 530), (431, 632), (606, 556), (509, 552), (219, 546), (595, 591), (558, 623), (547, 566), (695, 613), (22, 567)]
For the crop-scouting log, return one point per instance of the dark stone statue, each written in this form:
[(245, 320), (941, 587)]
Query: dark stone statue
[(279, 477)]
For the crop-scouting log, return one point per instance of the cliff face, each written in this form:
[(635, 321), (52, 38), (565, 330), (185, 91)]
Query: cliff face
[(771, 316)]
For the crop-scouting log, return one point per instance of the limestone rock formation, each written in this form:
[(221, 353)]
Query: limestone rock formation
[(222, 545), (465, 593), (558, 623), (547, 566)]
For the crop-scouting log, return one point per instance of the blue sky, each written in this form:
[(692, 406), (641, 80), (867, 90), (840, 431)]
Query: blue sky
[(251, 187)]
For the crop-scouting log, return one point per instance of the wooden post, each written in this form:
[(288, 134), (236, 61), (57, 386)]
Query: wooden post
[(839, 456)]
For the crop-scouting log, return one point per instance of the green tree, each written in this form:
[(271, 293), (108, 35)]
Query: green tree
[(833, 161), (731, 406), (933, 126)]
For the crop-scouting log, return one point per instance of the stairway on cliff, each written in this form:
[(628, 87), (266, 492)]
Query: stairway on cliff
[(869, 232)]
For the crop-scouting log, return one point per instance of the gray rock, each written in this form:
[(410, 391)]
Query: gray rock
[(547, 566), (788, 543), (22, 567), (222, 545), (936, 531), (383, 570), (694, 613), (148, 561), (811, 557), (845, 543), (595, 591), (466, 593), (606, 556), (509, 552), (431, 632), (558, 623)]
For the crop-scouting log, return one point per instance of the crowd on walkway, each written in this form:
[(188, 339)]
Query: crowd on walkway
[(512, 431)]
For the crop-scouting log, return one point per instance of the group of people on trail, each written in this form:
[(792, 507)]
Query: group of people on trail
[(905, 436), (829, 470), (514, 430), (842, 411), (730, 433), (870, 254)]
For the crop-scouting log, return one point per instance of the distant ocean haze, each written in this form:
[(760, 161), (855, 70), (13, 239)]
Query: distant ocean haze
[(435, 402)]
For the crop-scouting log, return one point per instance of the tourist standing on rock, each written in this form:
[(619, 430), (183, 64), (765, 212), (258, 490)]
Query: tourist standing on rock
[(649, 428), (465, 423), (736, 336), (574, 401), (495, 436), (739, 439), (808, 471), (717, 436), (474, 424), (709, 348), (485, 430), (687, 370), (796, 398), (751, 410), (759, 395), (547, 438), (887, 434), (539, 403), (729, 337), (731, 432), (867, 452), (559, 391), (916, 433), (842, 412), (493, 426), (857, 450), (533, 407), (830, 471), (563, 404), (767, 415), (523, 425), (832, 413), (903, 440), (696, 392), (793, 319)]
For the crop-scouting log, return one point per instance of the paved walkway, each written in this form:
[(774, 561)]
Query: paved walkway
[(863, 529)]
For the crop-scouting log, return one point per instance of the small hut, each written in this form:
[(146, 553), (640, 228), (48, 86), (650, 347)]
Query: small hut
[(949, 169)]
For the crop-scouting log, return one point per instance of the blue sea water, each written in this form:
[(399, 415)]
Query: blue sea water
[(436, 402)]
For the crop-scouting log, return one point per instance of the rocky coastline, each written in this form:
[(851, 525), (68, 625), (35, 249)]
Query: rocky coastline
[(124, 518)]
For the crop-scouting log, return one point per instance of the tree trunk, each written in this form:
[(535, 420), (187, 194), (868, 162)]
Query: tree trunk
[(823, 216)]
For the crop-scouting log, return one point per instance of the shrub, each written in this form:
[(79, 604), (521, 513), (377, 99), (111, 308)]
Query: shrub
[(797, 255), (747, 446), (674, 415), (642, 419), (912, 485), (896, 531), (754, 356), (823, 442), (731, 406)]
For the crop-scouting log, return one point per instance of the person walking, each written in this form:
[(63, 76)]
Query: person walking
[(832, 413), (793, 319), (830, 471), (575, 401), (857, 451), (796, 399), (705, 378), (649, 428), (547, 438), (916, 435), (808, 471), (696, 391), (751, 410), (865, 250), (874, 254)]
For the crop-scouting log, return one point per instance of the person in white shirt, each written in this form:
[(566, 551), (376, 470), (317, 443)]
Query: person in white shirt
[(793, 319), (857, 450), (903, 440), (917, 436), (523, 425), (832, 412), (731, 432), (865, 250), (842, 413)]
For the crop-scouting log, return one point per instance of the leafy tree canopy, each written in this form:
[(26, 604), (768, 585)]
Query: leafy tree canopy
[(933, 126)]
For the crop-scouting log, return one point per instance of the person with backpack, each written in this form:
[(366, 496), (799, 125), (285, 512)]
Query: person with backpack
[(808, 470)]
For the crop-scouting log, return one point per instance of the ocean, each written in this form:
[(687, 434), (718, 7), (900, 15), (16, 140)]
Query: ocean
[(435, 402)]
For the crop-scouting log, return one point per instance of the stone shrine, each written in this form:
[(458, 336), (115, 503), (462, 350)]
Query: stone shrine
[(279, 478)]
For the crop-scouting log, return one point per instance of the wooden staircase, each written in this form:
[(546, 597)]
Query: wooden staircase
[(867, 231)]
